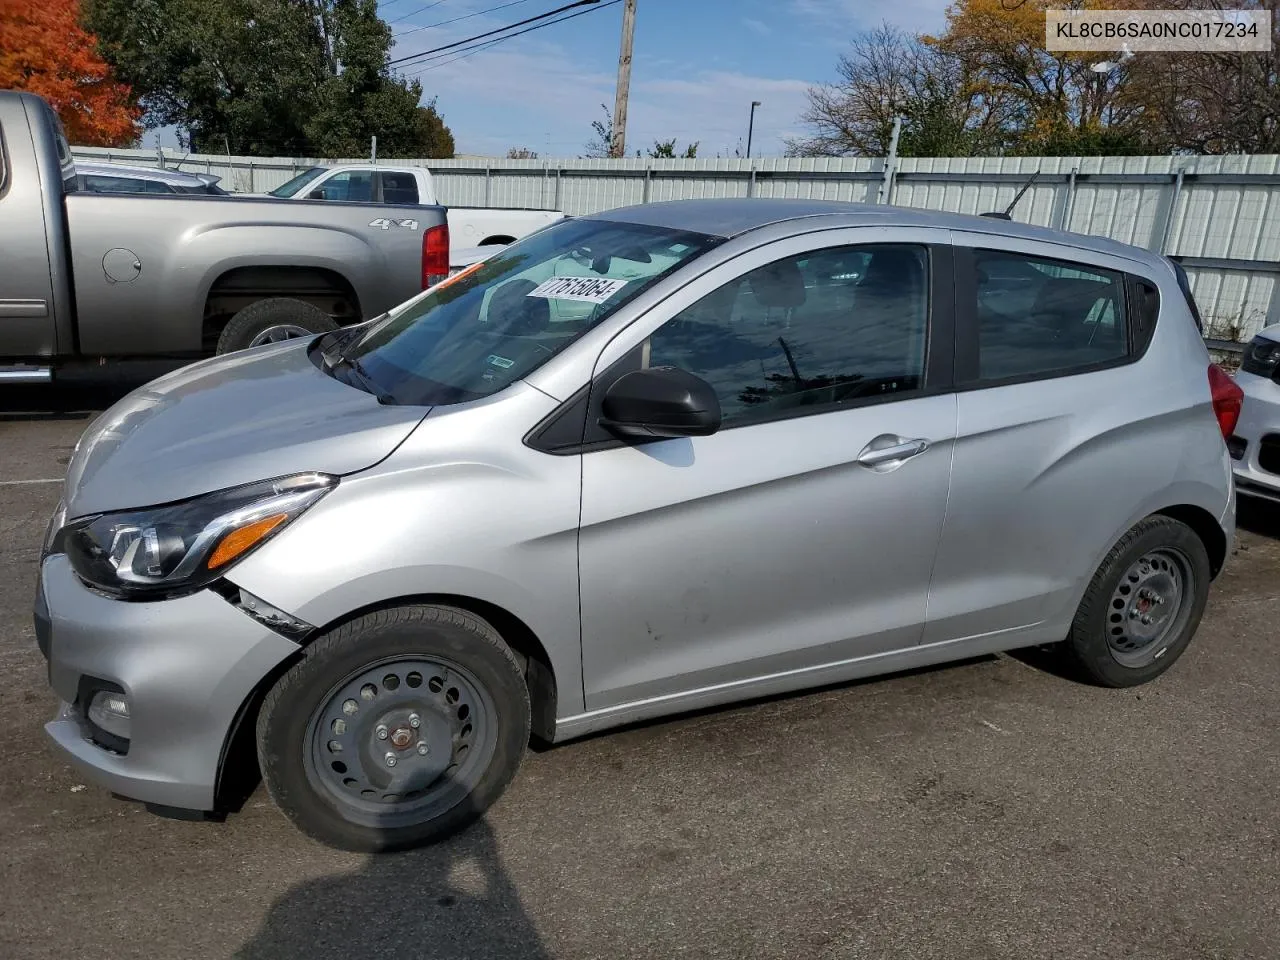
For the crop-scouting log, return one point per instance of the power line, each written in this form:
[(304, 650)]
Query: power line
[(445, 23), (414, 12), (490, 33), (467, 53)]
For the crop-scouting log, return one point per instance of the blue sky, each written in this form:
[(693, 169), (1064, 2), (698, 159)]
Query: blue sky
[(698, 65)]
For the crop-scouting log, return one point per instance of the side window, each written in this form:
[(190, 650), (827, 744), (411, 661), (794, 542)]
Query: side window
[(399, 188), (832, 326), (352, 185), (1046, 317), (99, 184), (157, 186)]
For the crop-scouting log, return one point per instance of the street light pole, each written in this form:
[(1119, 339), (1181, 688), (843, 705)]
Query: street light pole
[(751, 124)]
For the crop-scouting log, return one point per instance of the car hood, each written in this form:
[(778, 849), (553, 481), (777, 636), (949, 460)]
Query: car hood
[(227, 421)]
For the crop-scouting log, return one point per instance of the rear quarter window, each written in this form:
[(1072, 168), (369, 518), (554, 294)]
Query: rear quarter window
[(1037, 317)]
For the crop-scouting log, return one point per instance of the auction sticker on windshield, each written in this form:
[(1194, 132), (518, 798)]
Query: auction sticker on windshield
[(585, 289)]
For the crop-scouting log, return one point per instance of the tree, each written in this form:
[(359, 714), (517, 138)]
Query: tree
[(294, 77), (521, 153), (1211, 102), (666, 150), (43, 50), (1056, 102), (600, 146), (887, 74)]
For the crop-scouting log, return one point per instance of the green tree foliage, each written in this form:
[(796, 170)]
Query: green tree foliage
[(600, 144), (666, 150), (268, 77)]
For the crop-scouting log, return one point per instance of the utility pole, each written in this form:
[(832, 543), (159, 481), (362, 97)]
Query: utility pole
[(751, 125), (619, 145)]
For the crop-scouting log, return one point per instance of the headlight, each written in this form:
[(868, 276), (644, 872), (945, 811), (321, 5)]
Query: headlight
[(178, 548)]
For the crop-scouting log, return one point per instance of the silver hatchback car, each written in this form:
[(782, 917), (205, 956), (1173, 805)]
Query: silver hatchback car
[(641, 462)]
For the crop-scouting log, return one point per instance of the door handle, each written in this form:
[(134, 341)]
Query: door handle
[(877, 452)]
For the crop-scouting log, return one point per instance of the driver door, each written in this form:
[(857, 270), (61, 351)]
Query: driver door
[(792, 539)]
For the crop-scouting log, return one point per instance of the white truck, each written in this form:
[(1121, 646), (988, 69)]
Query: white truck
[(381, 183)]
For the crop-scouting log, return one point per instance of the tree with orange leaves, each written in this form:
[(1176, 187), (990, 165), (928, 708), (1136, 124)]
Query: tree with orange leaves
[(1063, 105), (44, 50)]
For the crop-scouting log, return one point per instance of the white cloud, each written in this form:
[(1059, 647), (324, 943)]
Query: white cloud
[(755, 26)]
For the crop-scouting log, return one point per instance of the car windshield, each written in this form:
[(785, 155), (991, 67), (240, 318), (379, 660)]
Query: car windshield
[(496, 322), (289, 188)]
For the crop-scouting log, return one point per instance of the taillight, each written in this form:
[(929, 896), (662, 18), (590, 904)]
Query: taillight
[(1227, 399), (435, 255)]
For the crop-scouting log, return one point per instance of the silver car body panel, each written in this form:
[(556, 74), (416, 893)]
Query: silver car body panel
[(187, 665), (226, 421), (690, 572), (1036, 465)]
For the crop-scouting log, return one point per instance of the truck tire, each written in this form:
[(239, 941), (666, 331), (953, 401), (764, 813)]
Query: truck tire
[(271, 321)]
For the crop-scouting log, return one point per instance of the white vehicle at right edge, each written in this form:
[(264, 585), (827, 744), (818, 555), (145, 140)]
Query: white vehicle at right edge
[(1255, 444)]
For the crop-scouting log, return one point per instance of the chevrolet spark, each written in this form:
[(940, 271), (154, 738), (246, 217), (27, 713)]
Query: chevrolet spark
[(641, 462)]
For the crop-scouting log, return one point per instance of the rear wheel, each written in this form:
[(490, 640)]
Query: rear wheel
[(271, 321), (1143, 605), (395, 730)]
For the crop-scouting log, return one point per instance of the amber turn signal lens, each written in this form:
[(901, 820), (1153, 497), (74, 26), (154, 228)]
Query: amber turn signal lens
[(238, 541)]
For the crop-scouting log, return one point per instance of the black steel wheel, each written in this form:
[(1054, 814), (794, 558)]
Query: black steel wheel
[(395, 730), (1143, 605)]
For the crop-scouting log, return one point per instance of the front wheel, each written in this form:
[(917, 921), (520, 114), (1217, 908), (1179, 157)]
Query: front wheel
[(395, 730), (1143, 605)]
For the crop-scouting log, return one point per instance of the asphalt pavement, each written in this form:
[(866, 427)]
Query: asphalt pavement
[(991, 809)]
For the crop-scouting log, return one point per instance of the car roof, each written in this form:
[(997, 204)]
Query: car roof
[(731, 217), (176, 177)]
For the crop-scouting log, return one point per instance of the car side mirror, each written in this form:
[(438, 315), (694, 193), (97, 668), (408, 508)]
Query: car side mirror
[(315, 195), (660, 402)]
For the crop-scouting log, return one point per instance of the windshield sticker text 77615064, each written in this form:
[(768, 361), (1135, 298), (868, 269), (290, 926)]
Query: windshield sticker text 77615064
[(585, 289)]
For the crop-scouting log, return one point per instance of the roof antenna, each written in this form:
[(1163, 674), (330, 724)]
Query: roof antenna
[(1005, 215)]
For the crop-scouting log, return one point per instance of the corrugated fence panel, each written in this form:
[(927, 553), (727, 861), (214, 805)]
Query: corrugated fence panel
[(1136, 200)]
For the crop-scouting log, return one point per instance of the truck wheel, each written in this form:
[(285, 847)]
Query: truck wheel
[(1143, 605), (395, 730), (273, 320)]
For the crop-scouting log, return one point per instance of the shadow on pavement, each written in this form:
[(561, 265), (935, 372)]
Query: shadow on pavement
[(1258, 516), (450, 900)]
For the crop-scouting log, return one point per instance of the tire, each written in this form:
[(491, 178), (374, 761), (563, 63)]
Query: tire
[(1160, 563), (454, 675), (255, 324)]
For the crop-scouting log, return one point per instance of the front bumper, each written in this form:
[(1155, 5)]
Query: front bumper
[(1259, 418), (187, 666)]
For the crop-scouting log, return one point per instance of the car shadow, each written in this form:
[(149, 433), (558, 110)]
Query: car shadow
[(453, 899), (1258, 516)]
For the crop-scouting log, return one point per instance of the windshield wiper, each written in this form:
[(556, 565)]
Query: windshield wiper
[(357, 373)]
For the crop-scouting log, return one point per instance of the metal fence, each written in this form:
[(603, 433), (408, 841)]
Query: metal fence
[(1214, 214)]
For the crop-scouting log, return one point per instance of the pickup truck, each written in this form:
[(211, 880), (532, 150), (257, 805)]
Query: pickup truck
[(468, 226), (89, 276)]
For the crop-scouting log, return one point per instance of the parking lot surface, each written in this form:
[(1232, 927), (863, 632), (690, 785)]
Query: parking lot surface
[(991, 809)]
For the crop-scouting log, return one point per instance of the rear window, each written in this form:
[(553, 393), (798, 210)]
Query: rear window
[(1040, 317)]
